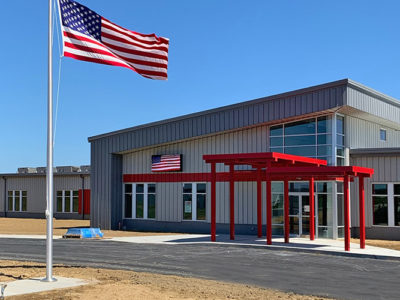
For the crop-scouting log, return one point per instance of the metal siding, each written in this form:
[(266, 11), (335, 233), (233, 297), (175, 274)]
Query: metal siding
[(372, 105), (364, 134), (264, 110), (387, 169), (2, 195)]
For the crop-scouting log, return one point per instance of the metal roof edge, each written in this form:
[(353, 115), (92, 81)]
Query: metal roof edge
[(374, 93), (341, 82), (42, 174)]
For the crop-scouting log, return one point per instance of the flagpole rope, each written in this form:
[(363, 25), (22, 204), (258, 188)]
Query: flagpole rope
[(59, 77)]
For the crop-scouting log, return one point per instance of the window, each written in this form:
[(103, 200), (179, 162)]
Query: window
[(140, 201), (194, 201), (396, 199), (339, 140), (382, 135), (277, 207), (67, 201), (17, 200), (323, 192), (311, 137), (380, 204)]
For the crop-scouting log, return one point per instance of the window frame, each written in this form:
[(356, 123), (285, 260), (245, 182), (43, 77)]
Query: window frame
[(145, 200), (64, 199), (194, 201), (381, 130), (20, 200), (390, 203)]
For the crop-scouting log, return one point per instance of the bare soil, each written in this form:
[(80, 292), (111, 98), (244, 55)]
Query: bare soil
[(395, 245), (21, 226), (115, 284)]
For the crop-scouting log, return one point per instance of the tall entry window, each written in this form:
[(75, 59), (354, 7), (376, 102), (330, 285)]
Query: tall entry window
[(140, 201), (311, 137), (17, 200), (194, 201), (396, 198)]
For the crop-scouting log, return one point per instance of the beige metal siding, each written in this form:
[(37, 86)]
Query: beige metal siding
[(169, 195), (387, 169), (365, 134)]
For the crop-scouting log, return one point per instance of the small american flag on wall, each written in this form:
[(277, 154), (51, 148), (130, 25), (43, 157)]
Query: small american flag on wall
[(162, 163)]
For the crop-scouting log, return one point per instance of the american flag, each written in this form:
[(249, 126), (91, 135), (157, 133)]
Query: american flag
[(161, 163), (90, 37)]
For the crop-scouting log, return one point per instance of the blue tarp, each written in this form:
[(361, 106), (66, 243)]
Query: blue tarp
[(84, 233)]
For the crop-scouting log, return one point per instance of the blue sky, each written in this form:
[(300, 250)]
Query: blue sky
[(221, 52)]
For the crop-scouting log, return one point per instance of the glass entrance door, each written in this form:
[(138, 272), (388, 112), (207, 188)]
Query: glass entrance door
[(299, 213)]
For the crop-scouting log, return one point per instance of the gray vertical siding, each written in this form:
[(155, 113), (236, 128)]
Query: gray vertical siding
[(365, 134), (2, 196), (387, 169)]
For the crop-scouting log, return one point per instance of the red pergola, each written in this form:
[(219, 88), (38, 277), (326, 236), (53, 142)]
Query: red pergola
[(272, 166)]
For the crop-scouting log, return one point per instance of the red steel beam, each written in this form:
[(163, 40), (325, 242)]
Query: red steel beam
[(286, 209), (231, 202), (312, 201), (346, 214), (361, 196), (269, 213), (213, 202), (259, 204)]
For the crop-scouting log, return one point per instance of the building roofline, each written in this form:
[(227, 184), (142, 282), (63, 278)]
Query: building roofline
[(44, 174), (342, 82), (223, 108)]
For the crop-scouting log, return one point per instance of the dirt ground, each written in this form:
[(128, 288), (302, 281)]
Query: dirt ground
[(115, 284), (38, 226), (395, 245)]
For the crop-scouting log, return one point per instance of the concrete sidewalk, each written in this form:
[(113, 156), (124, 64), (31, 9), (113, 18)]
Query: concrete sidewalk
[(36, 285), (318, 246)]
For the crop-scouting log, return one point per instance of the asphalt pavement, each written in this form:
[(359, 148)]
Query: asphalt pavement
[(303, 273)]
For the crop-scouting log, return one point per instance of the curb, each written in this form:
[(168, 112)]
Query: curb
[(301, 250)]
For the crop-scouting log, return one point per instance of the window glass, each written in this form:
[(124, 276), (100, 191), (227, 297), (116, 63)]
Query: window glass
[(340, 209), (380, 210), (187, 206), (67, 205), (128, 206), (298, 187), (323, 124), (277, 187), (397, 211), (16, 202), (275, 149), (24, 193), (324, 150), (187, 188), (10, 200), (299, 140), (59, 202), (340, 161), (151, 188), (324, 187), (396, 189), (128, 188), (382, 134), (139, 188), (340, 124), (75, 204), (301, 127), (379, 189), (201, 207), (302, 151), (276, 130), (340, 139), (276, 141), (277, 208), (139, 205), (322, 210), (16, 193), (151, 206), (201, 187), (324, 139), (24, 203), (339, 151)]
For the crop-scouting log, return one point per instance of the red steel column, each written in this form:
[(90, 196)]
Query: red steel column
[(269, 212), (259, 206), (346, 214), (361, 198), (312, 200), (286, 209), (232, 201), (213, 200)]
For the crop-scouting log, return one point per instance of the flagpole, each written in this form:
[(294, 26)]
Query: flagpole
[(49, 169)]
